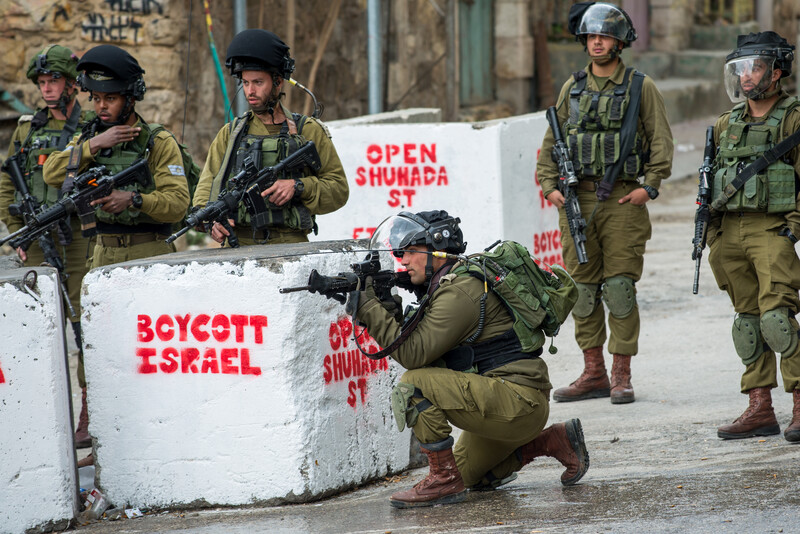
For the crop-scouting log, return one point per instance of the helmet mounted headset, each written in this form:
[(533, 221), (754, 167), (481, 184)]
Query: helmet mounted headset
[(765, 51), (110, 69), (598, 18)]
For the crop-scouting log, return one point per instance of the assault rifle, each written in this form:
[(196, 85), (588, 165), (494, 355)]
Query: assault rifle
[(88, 187), (702, 214), (337, 287), (568, 185), (246, 186), (28, 208)]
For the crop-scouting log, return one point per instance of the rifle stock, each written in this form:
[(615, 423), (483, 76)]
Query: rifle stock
[(568, 185)]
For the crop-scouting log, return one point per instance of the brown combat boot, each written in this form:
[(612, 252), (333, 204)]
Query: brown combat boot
[(89, 460), (564, 442), (792, 432), (757, 420), (82, 438), (621, 388), (593, 382), (443, 485)]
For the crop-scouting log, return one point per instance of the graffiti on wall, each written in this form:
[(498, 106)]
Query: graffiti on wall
[(547, 247), (2, 376), (204, 344), (347, 364), (118, 22)]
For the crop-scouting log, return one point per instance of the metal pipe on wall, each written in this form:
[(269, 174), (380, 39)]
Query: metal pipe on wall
[(240, 24), (374, 57)]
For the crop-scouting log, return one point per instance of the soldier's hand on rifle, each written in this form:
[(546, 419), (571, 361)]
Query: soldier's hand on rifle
[(637, 197), (556, 199), (22, 254), (219, 233), (279, 193), (117, 202), (113, 136)]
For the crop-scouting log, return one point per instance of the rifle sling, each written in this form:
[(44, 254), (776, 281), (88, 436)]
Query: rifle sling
[(410, 327), (70, 127), (627, 134), (768, 158)]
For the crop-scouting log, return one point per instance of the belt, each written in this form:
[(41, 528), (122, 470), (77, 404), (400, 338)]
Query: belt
[(591, 185), (128, 240)]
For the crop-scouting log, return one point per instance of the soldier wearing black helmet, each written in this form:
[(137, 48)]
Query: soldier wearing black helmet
[(755, 225), (50, 129), (131, 223), (501, 405), (268, 133), (613, 189)]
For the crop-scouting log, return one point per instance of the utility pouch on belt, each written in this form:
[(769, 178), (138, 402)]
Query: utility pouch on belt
[(404, 413), (461, 359)]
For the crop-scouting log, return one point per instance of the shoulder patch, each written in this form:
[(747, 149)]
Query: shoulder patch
[(25, 118), (176, 170)]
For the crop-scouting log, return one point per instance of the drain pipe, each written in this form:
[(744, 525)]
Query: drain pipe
[(374, 56), (240, 24), (14, 102)]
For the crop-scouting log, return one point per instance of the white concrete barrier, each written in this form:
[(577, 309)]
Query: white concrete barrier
[(208, 386), (39, 490), (483, 173)]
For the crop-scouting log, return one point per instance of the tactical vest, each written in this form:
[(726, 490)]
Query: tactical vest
[(266, 151), (593, 130), (119, 158), (771, 191), (37, 146)]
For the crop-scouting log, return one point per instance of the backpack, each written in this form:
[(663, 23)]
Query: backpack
[(538, 301), (190, 168)]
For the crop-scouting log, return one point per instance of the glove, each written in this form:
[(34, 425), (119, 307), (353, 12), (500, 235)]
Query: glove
[(391, 303)]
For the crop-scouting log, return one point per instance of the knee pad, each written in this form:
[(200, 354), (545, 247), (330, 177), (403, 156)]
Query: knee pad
[(778, 331), (619, 294), (587, 300), (746, 335)]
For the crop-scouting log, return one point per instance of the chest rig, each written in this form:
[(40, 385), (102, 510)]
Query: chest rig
[(46, 136), (741, 143), (594, 129), (119, 158), (265, 151)]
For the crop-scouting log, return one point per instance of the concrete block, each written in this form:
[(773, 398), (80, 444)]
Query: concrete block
[(206, 386), (37, 461), (401, 116), (700, 64)]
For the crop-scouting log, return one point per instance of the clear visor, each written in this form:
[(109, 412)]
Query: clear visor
[(603, 19), (395, 233), (748, 77)]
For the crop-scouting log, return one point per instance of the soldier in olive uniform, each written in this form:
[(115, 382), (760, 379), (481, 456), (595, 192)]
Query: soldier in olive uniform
[(754, 228), (132, 222), (592, 108), (502, 406), (53, 71), (269, 133)]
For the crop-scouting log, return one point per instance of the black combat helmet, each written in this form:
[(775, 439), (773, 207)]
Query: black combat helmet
[(257, 49), (110, 69), (435, 229), (598, 18), (759, 53)]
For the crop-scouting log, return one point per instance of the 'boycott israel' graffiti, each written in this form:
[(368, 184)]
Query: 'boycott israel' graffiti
[(402, 169), (190, 337), (351, 365)]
